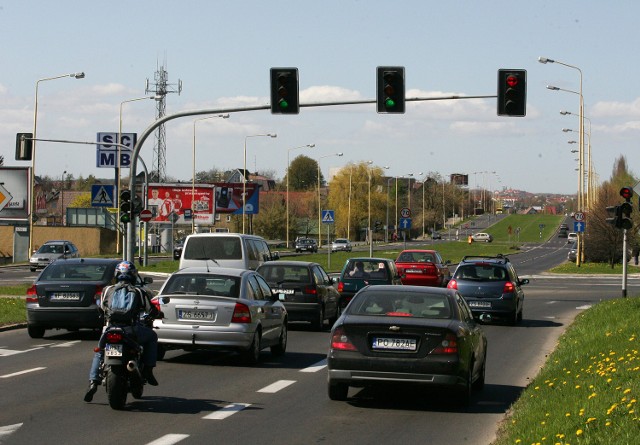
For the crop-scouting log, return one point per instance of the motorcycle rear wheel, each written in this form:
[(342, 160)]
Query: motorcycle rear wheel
[(117, 387)]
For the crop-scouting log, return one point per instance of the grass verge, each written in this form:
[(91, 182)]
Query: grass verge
[(587, 391)]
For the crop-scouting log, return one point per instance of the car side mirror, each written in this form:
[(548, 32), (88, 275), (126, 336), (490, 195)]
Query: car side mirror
[(447, 262), (275, 255), (524, 281), (147, 280)]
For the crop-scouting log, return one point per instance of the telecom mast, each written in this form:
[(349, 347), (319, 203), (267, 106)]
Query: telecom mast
[(160, 89)]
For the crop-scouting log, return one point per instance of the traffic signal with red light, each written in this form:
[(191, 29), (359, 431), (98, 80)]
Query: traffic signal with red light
[(24, 146), (390, 89), (626, 193), (512, 92), (624, 219), (125, 206), (284, 91)]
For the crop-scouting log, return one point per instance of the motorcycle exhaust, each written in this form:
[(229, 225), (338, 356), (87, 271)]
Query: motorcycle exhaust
[(132, 366)]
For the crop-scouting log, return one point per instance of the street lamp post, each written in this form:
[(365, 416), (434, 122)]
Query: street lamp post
[(288, 172), (319, 205), (580, 244), (193, 173), (33, 153), (246, 176), (590, 171)]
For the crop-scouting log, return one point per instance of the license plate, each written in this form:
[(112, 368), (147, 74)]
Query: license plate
[(65, 296), (195, 315), (481, 304), (111, 350), (283, 291), (413, 271), (396, 344)]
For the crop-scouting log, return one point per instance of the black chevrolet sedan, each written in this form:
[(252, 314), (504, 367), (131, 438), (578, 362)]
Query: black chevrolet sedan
[(407, 334)]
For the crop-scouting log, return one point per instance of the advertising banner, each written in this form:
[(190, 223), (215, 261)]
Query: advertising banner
[(168, 203), (14, 191), (229, 198)]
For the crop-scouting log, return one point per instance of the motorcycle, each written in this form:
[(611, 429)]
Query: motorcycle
[(122, 367)]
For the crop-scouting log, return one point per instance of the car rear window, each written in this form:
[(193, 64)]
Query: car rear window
[(359, 269), (405, 304), (481, 272), (274, 273), (213, 247), (203, 284), (64, 271)]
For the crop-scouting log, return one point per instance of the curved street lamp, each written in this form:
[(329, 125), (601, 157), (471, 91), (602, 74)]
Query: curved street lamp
[(245, 175), (79, 75), (288, 167)]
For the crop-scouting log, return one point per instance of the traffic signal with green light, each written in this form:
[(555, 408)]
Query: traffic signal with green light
[(24, 146), (284, 91), (390, 89), (125, 206), (512, 92)]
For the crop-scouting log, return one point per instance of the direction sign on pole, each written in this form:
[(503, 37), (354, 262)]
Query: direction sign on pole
[(404, 223), (5, 197)]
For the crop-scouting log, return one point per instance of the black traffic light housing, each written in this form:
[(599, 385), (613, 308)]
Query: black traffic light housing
[(126, 206), (512, 92), (284, 91), (24, 146), (626, 208), (613, 212), (390, 89)]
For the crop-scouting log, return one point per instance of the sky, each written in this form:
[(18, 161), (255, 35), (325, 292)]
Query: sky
[(221, 53)]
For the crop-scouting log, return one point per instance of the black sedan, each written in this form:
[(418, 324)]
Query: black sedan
[(407, 334), (66, 295)]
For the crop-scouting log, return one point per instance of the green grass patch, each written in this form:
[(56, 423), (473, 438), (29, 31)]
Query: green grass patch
[(12, 310), (592, 268), (587, 392)]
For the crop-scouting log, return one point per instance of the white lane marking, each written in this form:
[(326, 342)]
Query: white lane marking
[(227, 411), (6, 376), (9, 429), (7, 352), (277, 386), (317, 367), (169, 439), (67, 344), (582, 308), (551, 302)]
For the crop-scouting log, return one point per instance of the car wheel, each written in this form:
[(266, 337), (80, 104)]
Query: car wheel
[(35, 331), (514, 318), (464, 393), (281, 347), (161, 352), (252, 355), (318, 323), (32, 269), (338, 391), (520, 315), (479, 383)]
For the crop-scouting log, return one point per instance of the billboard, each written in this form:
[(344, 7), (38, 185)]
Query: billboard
[(14, 183), (229, 198), (459, 179)]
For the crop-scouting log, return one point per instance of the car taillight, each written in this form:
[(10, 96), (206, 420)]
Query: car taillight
[(453, 284), (310, 290), (508, 288), (156, 302), (448, 346), (114, 337), (98, 294), (241, 314), (32, 294), (339, 340), (340, 286)]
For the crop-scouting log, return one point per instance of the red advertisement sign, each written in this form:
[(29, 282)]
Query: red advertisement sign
[(168, 202)]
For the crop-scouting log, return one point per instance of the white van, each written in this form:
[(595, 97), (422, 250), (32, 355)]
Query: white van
[(235, 250)]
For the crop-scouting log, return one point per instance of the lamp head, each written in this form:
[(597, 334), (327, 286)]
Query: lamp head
[(551, 87), (545, 60), (78, 75)]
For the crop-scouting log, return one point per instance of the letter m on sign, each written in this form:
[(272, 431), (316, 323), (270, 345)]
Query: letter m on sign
[(106, 158)]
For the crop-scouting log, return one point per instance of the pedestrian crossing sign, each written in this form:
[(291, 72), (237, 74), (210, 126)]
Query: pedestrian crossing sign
[(328, 217), (102, 195)]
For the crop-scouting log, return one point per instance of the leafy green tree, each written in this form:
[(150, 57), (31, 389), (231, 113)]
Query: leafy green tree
[(303, 174), (270, 222)]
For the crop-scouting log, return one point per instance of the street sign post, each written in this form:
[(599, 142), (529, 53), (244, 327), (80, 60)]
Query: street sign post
[(146, 215)]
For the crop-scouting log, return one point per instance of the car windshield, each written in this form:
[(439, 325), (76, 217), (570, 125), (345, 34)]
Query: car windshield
[(203, 284), (481, 272), (274, 273), (51, 248), (64, 271), (401, 304)]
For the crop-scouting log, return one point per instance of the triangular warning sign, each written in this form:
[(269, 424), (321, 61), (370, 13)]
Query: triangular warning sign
[(102, 197), (328, 217)]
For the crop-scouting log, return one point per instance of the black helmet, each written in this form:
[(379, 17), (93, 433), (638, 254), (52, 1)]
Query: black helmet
[(126, 271)]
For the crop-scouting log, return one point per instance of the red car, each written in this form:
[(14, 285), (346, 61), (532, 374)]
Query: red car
[(423, 268)]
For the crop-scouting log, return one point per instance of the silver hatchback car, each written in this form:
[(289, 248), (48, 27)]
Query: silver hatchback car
[(50, 251), (220, 309), (341, 244)]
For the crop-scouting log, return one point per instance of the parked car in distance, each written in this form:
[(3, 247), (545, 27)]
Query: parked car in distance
[(491, 286), (423, 268), (216, 308), (360, 272), (482, 236), (306, 245), (66, 295), (572, 237), (341, 244), (409, 335), (50, 251), (305, 289)]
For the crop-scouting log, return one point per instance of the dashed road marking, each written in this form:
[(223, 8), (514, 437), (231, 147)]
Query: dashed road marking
[(169, 439), (26, 371), (277, 386), (316, 367), (227, 411)]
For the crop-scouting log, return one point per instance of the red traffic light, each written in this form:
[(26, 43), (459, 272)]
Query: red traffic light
[(512, 81), (626, 192)]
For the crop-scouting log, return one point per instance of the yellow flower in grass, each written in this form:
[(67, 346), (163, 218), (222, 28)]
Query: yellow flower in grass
[(626, 391), (590, 419), (579, 433)]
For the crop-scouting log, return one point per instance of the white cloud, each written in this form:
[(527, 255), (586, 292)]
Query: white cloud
[(326, 93), (616, 109)]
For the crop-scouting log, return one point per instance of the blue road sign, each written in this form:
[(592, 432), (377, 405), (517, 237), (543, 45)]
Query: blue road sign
[(102, 195), (328, 216), (579, 226), (404, 223)]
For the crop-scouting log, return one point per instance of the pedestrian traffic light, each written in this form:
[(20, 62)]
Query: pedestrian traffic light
[(24, 146), (390, 89), (625, 216), (284, 91), (125, 206), (512, 92)]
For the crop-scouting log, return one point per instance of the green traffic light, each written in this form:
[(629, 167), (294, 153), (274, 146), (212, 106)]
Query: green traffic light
[(125, 218), (390, 103), (283, 104)]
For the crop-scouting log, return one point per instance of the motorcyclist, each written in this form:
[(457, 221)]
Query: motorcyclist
[(126, 275)]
